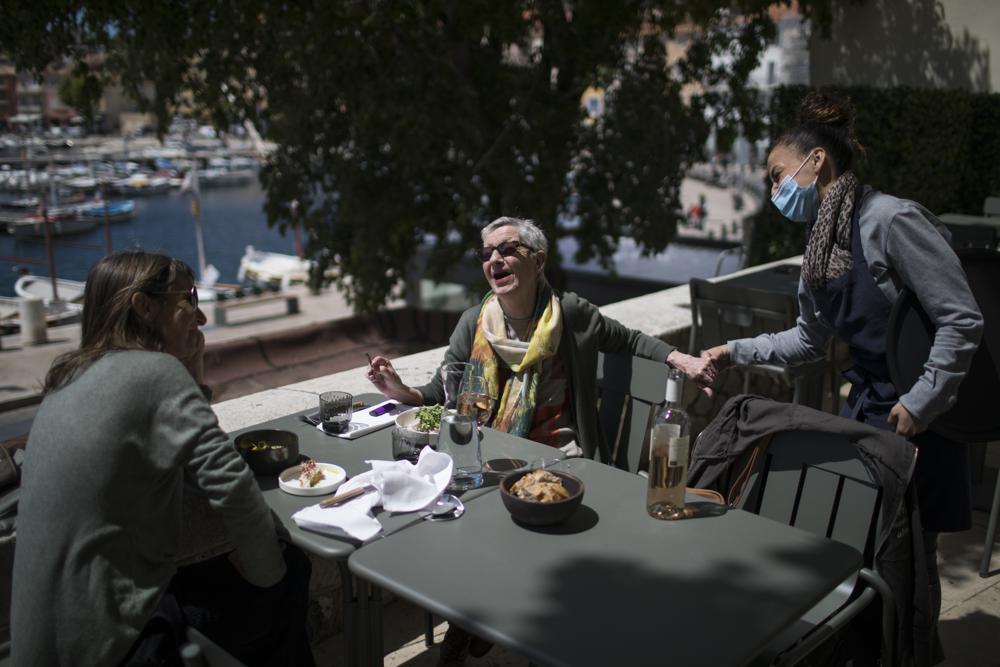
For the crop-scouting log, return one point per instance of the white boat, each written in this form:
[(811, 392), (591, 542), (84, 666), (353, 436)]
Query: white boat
[(60, 312), (273, 267), (143, 184), (40, 287)]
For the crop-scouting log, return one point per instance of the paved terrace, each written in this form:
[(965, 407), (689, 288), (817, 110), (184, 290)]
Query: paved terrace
[(274, 370)]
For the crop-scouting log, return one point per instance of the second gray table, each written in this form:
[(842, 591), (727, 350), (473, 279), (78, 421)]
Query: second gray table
[(612, 585)]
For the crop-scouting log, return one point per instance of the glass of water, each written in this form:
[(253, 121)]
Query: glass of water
[(459, 438), (335, 411)]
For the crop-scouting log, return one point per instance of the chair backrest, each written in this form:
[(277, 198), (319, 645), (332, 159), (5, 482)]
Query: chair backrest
[(721, 312), (817, 482), (991, 206), (629, 391)]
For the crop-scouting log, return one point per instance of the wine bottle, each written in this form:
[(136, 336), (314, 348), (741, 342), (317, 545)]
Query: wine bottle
[(668, 455)]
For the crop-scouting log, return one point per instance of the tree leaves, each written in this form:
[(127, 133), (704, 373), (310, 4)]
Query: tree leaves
[(408, 123)]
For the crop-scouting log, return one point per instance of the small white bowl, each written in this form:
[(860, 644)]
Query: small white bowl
[(333, 477), (408, 422)]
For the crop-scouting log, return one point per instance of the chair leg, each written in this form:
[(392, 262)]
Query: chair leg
[(429, 630), (991, 531), (797, 390)]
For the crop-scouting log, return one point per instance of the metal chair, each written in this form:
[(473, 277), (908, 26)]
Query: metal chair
[(629, 392), (818, 482), (721, 312)]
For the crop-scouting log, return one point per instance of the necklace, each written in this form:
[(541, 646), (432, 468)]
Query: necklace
[(517, 319)]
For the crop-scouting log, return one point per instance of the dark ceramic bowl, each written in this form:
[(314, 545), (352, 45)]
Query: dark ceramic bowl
[(534, 513), (269, 461)]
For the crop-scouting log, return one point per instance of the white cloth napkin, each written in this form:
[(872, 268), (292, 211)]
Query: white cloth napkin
[(400, 486)]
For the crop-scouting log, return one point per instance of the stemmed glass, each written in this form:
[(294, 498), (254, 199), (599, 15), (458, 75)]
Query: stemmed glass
[(453, 374), (474, 401)]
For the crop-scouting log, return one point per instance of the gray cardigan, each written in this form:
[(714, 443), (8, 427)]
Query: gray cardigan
[(585, 333), (904, 244), (100, 511)]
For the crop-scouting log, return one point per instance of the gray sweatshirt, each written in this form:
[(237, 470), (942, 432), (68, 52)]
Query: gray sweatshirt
[(100, 511), (904, 245)]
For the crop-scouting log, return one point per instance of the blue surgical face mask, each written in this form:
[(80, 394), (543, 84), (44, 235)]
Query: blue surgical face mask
[(796, 202)]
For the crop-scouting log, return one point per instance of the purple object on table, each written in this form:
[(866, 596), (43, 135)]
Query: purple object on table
[(383, 409)]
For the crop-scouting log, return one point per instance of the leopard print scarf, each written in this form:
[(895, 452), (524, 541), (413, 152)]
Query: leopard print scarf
[(828, 250)]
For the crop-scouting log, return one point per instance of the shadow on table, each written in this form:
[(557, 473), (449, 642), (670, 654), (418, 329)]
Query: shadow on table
[(719, 606)]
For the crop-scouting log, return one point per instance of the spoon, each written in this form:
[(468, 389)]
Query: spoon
[(445, 508)]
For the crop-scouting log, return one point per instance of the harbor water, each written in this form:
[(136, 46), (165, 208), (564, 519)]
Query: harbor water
[(233, 218)]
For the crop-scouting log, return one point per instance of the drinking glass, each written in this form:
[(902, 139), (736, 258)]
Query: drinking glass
[(459, 438), (452, 376), (474, 401), (405, 446), (335, 411)]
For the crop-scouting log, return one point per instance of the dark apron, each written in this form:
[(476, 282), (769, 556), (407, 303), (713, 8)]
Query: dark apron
[(858, 311)]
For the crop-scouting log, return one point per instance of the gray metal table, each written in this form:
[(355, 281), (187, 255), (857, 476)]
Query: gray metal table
[(359, 602), (612, 585)]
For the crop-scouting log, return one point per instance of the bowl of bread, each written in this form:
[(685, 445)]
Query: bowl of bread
[(541, 497)]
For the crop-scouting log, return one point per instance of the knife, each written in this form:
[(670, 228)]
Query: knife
[(342, 498)]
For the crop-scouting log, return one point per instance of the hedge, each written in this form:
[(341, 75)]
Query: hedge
[(936, 147)]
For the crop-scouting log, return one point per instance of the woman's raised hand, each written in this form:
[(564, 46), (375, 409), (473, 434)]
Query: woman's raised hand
[(385, 378)]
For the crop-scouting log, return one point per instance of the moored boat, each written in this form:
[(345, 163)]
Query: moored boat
[(62, 221), (57, 313), (116, 211), (40, 287), (273, 267)]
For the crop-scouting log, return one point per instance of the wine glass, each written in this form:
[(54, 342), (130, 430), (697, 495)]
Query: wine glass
[(453, 374), (474, 400)]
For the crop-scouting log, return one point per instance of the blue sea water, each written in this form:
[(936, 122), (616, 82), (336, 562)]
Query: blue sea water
[(233, 218)]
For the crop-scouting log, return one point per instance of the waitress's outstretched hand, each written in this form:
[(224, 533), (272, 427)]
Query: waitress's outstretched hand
[(703, 370), (905, 424)]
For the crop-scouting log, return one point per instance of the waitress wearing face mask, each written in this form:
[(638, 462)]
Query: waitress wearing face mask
[(863, 247)]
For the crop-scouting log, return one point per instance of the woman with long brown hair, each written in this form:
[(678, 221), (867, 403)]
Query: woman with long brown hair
[(124, 432)]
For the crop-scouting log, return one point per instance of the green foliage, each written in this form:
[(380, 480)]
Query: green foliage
[(402, 122), (935, 147), (81, 90)]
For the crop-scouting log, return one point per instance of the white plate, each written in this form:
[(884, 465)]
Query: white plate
[(333, 477)]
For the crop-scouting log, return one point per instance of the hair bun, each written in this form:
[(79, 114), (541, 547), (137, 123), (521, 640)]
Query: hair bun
[(822, 109)]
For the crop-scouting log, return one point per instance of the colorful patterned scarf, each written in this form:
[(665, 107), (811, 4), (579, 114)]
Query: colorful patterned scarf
[(532, 398), (828, 250)]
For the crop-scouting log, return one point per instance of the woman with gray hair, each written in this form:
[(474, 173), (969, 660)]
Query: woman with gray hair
[(537, 348)]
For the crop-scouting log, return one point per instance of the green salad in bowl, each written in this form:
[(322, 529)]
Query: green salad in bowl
[(422, 424)]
